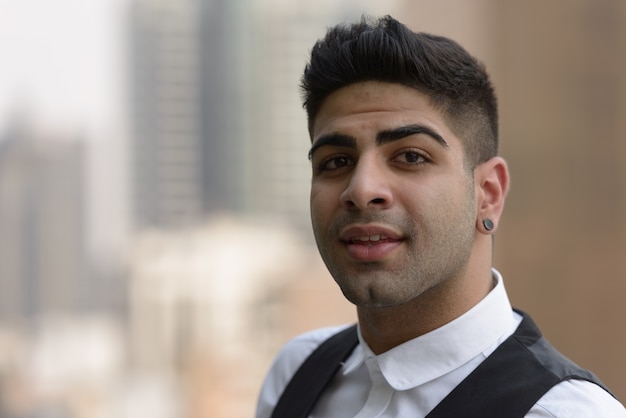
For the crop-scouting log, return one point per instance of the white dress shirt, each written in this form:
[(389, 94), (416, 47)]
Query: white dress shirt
[(412, 378)]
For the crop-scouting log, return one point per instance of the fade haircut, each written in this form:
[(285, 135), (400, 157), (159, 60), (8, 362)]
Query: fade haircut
[(386, 50)]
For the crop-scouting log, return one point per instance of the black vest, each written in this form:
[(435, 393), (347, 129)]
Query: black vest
[(506, 384)]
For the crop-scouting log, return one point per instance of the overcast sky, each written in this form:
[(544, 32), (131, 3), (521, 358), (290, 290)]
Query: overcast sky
[(60, 60)]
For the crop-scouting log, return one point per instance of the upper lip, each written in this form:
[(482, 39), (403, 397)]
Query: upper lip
[(368, 232)]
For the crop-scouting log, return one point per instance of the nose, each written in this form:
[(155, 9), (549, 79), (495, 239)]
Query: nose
[(367, 188)]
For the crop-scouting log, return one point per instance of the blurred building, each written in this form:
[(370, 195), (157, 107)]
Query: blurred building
[(60, 335), (214, 303), (188, 143), (45, 263), (166, 138), (42, 231)]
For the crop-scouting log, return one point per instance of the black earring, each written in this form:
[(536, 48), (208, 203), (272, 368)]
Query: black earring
[(488, 224)]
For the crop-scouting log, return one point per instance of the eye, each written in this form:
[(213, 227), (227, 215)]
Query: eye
[(411, 157), (335, 163)]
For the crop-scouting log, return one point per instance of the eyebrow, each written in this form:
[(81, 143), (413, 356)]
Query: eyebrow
[(390, 135), (335, 140), (383, 137)]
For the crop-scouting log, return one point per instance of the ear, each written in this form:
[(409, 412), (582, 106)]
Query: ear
[(492, 183)]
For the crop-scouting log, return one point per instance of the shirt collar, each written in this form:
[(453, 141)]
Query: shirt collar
[(444, 349)]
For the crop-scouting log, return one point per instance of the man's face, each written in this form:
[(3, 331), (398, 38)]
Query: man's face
[(392, 201)]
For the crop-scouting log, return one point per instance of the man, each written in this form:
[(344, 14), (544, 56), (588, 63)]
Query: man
[(407, 191)]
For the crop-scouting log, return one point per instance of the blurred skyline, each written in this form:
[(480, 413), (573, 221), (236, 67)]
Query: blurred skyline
[(154, 229)]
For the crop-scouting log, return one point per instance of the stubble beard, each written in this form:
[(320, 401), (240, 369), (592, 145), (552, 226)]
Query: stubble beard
[(436, 255), (380, 285)]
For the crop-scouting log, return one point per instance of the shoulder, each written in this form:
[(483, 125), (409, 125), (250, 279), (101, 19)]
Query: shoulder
[(285, 364), (577, 398), (295, 351)]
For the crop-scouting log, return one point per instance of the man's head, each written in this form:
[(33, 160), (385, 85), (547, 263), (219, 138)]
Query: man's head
[(404, 167), (386, 50)]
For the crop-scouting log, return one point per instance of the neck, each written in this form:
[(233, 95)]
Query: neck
[(385, 328)]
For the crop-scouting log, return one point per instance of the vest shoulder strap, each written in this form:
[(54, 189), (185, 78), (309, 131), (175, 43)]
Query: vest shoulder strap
[(532, 367), (310, 380)]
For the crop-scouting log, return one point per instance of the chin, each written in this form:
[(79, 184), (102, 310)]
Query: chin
[(370, 300)]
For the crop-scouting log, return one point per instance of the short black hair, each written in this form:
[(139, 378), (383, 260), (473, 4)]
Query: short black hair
[(386, 50)]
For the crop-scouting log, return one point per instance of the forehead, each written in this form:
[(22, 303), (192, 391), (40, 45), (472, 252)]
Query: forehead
[(376, 106)]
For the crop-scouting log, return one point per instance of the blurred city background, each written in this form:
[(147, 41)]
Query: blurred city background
[(155, 247)]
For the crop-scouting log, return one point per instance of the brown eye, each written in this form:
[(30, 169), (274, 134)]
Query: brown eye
[(336, 163), (411, 157)]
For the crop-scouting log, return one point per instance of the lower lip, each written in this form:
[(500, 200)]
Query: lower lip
[(373, 252)]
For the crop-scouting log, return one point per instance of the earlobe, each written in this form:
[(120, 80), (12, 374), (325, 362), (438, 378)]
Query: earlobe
[(492, 182)]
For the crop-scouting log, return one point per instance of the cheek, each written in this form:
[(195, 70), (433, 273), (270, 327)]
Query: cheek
[(419, 196), (433, 201), (319, 205), (325, 196)]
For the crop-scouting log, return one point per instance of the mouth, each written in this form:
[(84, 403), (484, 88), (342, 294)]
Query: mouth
[(370, 242)]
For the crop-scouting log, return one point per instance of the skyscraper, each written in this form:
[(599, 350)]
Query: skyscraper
[(42, 231)]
